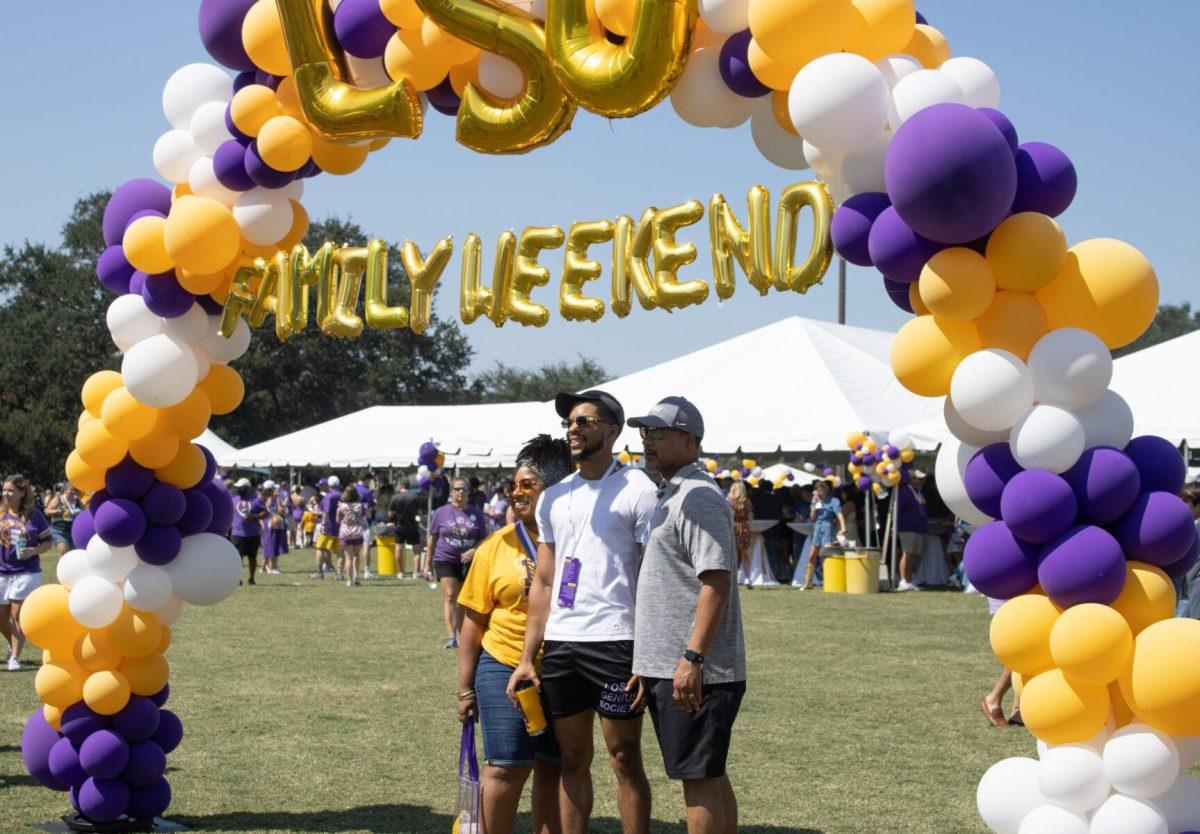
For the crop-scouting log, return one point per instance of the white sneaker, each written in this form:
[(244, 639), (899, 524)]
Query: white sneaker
[(366, 574), (905, 586), (14, 664)]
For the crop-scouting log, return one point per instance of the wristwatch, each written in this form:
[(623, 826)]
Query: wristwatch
[(693, 657)]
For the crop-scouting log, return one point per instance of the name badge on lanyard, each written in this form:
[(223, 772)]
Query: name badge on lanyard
[(569, 584)]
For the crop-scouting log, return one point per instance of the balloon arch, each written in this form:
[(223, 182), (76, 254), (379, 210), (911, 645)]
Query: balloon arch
[(1081, 529)]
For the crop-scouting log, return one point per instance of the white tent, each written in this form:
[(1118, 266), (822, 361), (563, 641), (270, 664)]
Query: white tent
[(222, 451), (1162, 386)]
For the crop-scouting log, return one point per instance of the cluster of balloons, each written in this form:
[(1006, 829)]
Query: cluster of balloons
[(429, 464), (878, 464)]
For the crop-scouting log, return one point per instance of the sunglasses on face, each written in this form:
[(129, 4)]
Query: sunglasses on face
[(458, 489), (654, 433), (581, 422), (527, 485)]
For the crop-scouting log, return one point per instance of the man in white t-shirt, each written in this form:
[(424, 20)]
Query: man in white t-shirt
[(581, 602)]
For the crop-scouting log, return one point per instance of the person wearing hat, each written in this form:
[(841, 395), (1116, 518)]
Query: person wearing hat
[(581, 601), (688, 647), (275, 531), (912, 523), (327, 536), (246, 533)]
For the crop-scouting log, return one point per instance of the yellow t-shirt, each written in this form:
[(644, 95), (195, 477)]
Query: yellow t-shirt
[(498, 585)]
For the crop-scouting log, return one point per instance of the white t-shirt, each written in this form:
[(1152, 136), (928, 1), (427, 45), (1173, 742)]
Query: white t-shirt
[(600, 523)]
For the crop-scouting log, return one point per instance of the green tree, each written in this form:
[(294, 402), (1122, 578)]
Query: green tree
[(1172, 321), (503, 384)]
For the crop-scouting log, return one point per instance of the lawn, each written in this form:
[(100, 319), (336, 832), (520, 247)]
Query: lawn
[(310, 706)]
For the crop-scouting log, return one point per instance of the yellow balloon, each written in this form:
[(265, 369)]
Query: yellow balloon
[(408, 57), (1122, 713), (463, 74), (164, 642), (285, 143), (957, 284), (46, 620), (1059, 710), (928, 46), (199, 284), (287, 95), (106, 692), (907, 455), (53, 716), (405, 14), (1107, 287), (1014, 321), (202, 234), (1091, 643), (185, 469), (1020, 633), (125, 417), (1026, 251), (146, 675), (776, 74), (98, 447), (779, 108), (83, 477), (96, 389), (59, 684), (155, 449), (854, 438), (262, 37), (1018, 683), (1148, 596), (145, 247), (252, 107), (135, 633), (617, 15), (94, 652), (914, 299), (336, 159), (441, 43), (1162, 689), (798, 31), (224, 388), (927, 350), (299, 228), (189, 418), (880, 27)]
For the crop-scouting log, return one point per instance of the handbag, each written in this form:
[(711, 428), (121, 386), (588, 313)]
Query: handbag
[(466, 811)]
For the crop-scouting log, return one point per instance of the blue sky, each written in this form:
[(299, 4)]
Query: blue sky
[(1111, 83)]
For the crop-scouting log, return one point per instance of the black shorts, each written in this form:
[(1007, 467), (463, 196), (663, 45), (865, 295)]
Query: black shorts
[(694, 745), (579, 676), (410, 537), (451, 570), (247, 546)]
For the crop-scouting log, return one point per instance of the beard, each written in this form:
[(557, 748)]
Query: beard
[(587, 451)]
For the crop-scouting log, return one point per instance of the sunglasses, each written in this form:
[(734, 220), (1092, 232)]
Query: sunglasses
[(581, 422), (527, 485), (458, 489), (654, 433)]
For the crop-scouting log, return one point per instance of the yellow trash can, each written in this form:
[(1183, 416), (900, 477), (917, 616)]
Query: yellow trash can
[(862, 572), (834, 570), (386, 547)]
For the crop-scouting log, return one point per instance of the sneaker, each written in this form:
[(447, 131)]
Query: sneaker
[(349, 583), (449, 644), (357, 582), (433, 586), (366, 574), (14, 664), (905, 585)]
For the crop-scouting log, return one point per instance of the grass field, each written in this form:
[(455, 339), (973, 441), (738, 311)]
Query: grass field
[(309, 706)]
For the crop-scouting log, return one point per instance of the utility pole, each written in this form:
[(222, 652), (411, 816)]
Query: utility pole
[(841, 290)]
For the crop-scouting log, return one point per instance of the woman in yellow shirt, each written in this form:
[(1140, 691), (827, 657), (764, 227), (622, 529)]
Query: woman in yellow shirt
[(494, 597)]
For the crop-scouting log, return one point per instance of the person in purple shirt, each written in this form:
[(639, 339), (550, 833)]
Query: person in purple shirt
[(274, 528), (246, 533), (24, 537), (455, 529), (912, 524), (327, 537)]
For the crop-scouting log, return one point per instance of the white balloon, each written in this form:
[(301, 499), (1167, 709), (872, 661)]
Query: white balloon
[(207, 569), (1072, 776), (72, 567), (221, 349), (174, 155), (967, 433), (94, 602), (159, 371), (839, 102), (778, 146), (1181, 804), (1047, 437), (948, 469), (111, 563), (897, 66), (1189, 750), (991, 389), (1007, 793), (191, 327), (1071, 367), (169, 613), (1050, 819), (500, 76), (191, 86), (148, 588), (827, 165), (130, 321), (294, 190), (203, 362), (1106, 422), (208, 127), (202, 179), (727, 17), (368, 72), (978, 82), (1140, 761), (862, 170), (900, 439), (701, 97), (924, 88), (264, 215), (1122, 814)]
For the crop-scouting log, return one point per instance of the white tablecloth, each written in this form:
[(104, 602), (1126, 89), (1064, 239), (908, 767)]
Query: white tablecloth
[(760, 574), (931, 570)]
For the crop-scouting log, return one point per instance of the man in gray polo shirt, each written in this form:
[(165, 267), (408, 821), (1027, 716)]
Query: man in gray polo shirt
[(688, 646)]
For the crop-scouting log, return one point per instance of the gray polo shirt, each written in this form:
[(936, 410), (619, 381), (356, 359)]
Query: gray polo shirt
[(690, 532)]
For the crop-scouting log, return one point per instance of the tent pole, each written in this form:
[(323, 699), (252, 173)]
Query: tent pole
[(841, 290)]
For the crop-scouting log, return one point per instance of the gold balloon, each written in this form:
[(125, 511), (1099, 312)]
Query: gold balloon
[(337, 293), (670, 256), (423, 275), (476, 300), (527, 273), (794, 198), (265, 300), (620, 80), (240, 299), (378, 314), (732, 242), (304, 271), (490, 124), (578, 268), (337, 109), (632, 248)]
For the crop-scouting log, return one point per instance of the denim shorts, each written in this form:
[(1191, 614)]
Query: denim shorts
[(505, 742)]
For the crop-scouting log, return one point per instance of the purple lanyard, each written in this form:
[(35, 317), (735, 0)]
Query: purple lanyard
[(467, 760)]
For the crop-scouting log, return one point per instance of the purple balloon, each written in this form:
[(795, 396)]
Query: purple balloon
[(986, 475), (159, 545), (128, 479), (443, 98), (864, 483), (427, 454), (1038, 506), (210, 305), (82, 529), (169, 732), (132, 197), (310, 169), (243, 80), (921, 19), (210, 464), (999, 564), (241, 139), (137, 283), (1177, 570), (267, 79), (898, 293), (851, 227), (104, 754), (120, 522), (734, 66), (1158, 529), (1004, 125), (163, 503), (79, 722), (896, 250), (113, 270), (99, 498), (262, 173), (165, 297), (1159, 464), (138, 720), (361, 28), (950, 173), (1046, 179), (37, 741), (221, 31), (103, 800), (147, 764), (222, 508), (149, 802), (160, 697), (229, 164), (64, 763), (197, 515), (1084, 564), (1106, 483)]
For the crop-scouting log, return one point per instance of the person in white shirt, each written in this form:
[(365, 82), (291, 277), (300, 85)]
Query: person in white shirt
[(581, 602)]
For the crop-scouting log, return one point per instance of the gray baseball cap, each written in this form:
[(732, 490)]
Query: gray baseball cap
[(672, 413)]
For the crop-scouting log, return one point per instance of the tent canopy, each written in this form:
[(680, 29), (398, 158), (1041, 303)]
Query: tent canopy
[(222, 451)]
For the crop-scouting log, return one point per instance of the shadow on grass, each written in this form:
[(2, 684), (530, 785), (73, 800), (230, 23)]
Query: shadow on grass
[(17, 780)]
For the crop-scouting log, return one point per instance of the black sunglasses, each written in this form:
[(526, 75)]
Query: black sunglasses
[(656, 432), (581, 422), (458, 489)]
